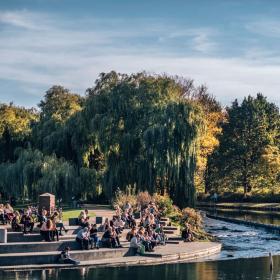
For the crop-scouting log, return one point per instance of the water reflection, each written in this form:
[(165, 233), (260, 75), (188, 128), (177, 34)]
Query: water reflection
[(272, 218), (248, 269)]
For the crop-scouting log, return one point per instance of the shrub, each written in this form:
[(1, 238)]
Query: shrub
[(193, 218), (164, 204), (121, 198), (143, 198)]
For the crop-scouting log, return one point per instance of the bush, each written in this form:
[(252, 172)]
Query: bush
[(193, 218), (121, 199), (143, 198), (164, 204)]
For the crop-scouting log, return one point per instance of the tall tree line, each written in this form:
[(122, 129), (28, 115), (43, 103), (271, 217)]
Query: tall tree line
[(142, 132), (139, 131)]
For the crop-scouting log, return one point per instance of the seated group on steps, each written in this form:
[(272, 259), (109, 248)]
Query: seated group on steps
[(150, 233), (22, 220), (51, 226)]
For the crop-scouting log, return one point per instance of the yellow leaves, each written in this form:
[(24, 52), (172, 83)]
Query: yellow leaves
[(16, 119), (207, 142), (270, 159)]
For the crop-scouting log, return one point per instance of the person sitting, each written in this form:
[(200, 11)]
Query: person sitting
[(118, 211), (86, 213), (58, 223), (130, 234), (9, 212), (16, 226), (82, 218), (161, 237), (43, 217), (27, 222), (115, 235), (146, 222), (83, 238), (149, 242), (3, 218), (65, 257), (136, 246), (94, 237), (118, 224), (187, 234), (110, 238), (130, 218), (152, 221), (105, 225), (54, 231), (45, 230), (127, 206)]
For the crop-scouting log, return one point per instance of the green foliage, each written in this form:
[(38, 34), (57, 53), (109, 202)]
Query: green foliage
[(193, 219), (248, 155), (164, 204), (15, 129), (33, 174), (146, 131), (121, 198), (56, 108)]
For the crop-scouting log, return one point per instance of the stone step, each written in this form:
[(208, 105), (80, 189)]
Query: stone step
[(169, 231), (51, 257), (32, 237), (172, 242), (71, 230), (170, 228), (22, 247), (175, 238)]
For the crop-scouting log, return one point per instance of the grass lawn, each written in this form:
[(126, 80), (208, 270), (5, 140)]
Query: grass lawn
[(74, 213)]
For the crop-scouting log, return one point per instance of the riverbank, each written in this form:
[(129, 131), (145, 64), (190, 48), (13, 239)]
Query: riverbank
[(182, 252), (241, 206)]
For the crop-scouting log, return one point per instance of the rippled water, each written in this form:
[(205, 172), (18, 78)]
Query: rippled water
[(241, 241)]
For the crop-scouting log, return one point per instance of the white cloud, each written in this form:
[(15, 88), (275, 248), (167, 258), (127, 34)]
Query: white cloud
[(22, 19), (74, 56)]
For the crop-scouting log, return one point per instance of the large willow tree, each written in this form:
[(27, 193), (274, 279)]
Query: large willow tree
[(146, 131)]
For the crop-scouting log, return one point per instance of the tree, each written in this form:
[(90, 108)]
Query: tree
[(252, 129), (58, 106), (15, 129), (146, 130), (213, 117)]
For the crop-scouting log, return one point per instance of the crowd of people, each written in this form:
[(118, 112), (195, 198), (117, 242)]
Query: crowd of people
[(24, 220), (142, 237), (150, 232)]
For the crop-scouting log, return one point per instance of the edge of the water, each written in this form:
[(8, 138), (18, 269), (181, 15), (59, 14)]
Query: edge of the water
[(212, 249)]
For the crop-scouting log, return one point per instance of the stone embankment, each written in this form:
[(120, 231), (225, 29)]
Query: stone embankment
[(28, 251)]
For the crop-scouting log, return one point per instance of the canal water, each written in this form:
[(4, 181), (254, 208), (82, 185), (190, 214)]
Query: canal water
[(244, 256), (264, 217), (236, 269)]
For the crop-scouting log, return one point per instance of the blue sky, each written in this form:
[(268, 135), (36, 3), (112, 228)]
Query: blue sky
[(231, 46)]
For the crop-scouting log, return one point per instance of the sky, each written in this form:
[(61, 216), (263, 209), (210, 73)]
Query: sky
[(231, 46)]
